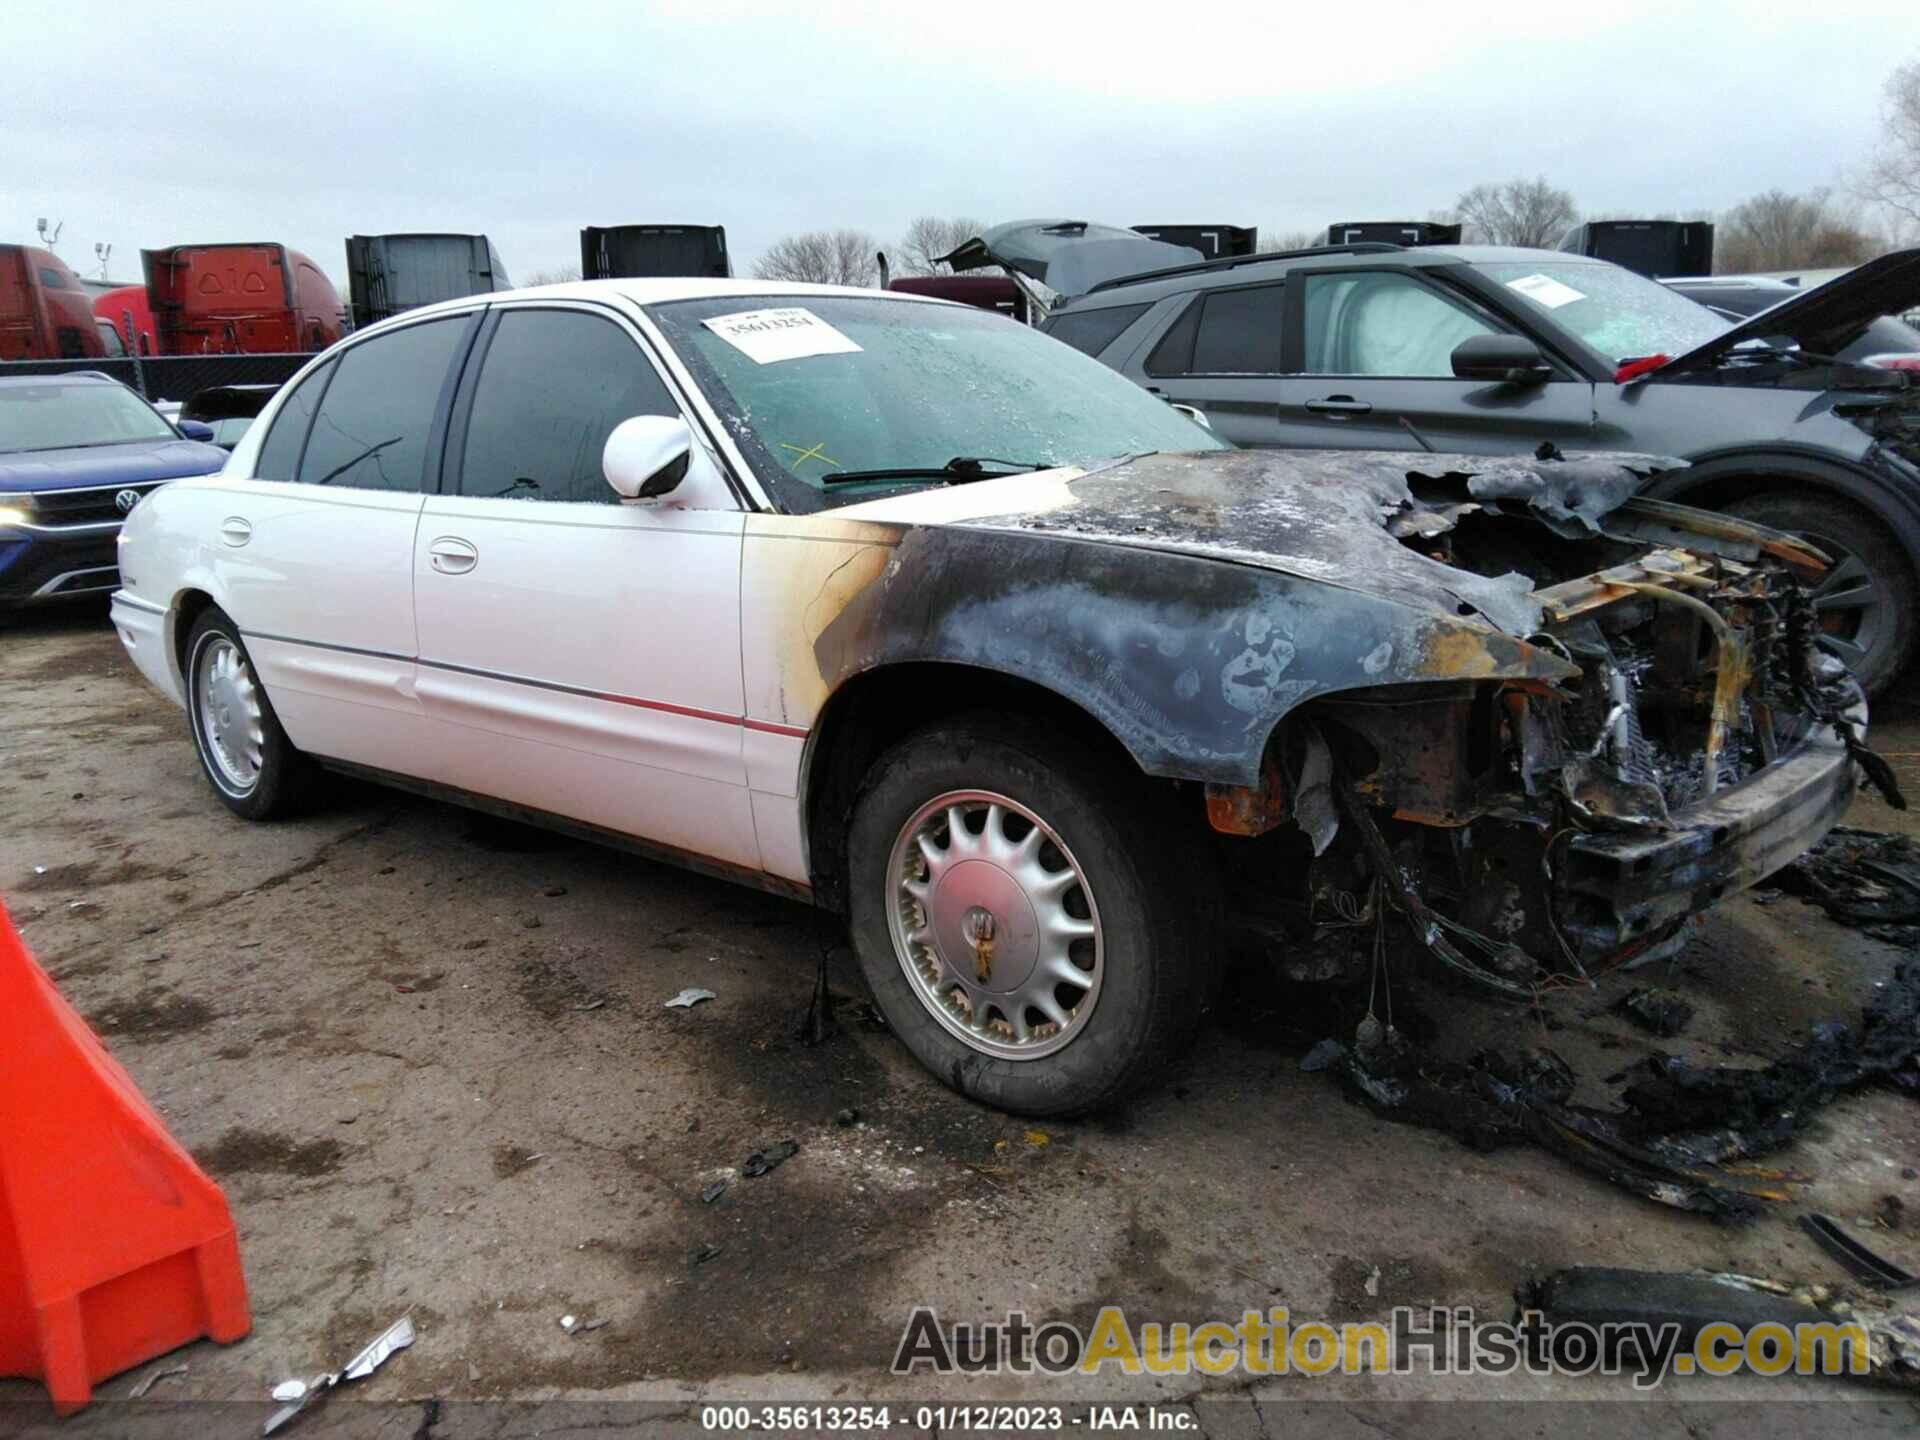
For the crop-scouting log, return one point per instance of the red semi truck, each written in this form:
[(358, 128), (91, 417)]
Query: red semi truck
[(252, 299), (113, 306), (44, 312)]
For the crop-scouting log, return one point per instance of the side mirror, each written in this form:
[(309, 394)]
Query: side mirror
[(195, 430), (647, 456), (1505, 359)]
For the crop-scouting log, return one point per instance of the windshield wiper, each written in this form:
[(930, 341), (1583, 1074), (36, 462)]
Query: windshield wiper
[(957, 471)]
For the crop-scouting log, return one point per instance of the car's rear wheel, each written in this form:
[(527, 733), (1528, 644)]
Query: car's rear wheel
[(1014, 915), (1865, 603), (247, 757)]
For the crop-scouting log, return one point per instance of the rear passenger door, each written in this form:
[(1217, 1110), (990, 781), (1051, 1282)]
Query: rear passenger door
[(1370, 353), (578, 655), (315, 554), (1222, 356)]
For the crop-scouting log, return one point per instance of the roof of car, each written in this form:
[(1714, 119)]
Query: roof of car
[(1251, 269), (644, 291), (58, 377)]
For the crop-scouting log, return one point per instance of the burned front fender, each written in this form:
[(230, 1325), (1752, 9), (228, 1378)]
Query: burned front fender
[(1189, 661)]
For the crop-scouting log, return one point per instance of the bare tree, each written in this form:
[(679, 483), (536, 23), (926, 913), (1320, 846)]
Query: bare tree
[(821, 257), (927, 239), (1778, 231), (1517, 212), (558, 275), (1892, 176)]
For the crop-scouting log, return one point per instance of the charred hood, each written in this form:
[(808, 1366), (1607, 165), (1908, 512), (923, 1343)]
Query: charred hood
[(1379, 522), (1190, 603)]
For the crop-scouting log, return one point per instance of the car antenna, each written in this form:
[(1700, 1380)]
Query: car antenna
[(1424, 444)]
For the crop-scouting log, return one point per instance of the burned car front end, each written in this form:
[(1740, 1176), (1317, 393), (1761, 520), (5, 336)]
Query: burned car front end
[(1497, 712)]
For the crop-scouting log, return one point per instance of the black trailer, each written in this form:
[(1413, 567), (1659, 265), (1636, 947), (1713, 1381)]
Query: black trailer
[(1656, 248), (620, 252), (1393, 232), (390, 273), (1215, 242)]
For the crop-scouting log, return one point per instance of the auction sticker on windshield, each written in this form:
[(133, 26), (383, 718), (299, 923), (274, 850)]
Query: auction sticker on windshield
[(793, 333), (1542, 290)]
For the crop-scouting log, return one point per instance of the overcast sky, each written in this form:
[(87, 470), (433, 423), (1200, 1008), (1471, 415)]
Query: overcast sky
[(162, 123)]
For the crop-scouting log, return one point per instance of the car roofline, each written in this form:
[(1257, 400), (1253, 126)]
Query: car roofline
[(1231, 262)]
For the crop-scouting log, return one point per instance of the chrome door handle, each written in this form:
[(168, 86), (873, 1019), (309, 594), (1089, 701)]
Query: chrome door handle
[(451, 555), (235, 531)]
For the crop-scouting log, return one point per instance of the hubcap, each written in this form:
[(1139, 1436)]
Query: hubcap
[(994, 925), (230, 723), (1847, 603)]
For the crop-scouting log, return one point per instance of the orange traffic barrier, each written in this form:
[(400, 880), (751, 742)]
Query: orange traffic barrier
[(114, 1246)]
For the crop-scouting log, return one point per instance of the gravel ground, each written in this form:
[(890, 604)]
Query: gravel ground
[(427, 1056)]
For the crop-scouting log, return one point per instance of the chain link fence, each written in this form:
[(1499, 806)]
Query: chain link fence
[(173, 377)]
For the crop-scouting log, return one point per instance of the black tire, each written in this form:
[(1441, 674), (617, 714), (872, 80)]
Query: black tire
[(283, 780), (1154, 962), (1877, 642)]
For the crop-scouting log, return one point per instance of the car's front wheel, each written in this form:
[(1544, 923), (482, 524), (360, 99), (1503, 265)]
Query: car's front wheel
[(247, 757), (1865, 604), (1014, 913)]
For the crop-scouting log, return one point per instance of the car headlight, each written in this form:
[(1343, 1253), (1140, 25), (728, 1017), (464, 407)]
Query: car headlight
[(15, 515)]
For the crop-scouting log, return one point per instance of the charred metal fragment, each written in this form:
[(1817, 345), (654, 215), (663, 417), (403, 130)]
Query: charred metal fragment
[(1657, 1011), (1669, 1096), (1861, 877), (1572, 496), (1863, 1263), (1679, 1124), (1648, 1300), (1493, 1100)]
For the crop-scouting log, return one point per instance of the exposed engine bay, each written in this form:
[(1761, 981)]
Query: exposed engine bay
[(1534, 831)]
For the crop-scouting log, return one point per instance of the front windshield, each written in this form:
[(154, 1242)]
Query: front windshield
[(1617, 312), (813, 385), (58, 416)]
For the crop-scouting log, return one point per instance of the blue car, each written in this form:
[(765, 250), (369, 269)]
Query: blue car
[(77, 451)]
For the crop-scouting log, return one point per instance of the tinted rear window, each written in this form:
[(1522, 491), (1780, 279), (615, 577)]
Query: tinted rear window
[(280, 453), (1239, 332), (376, 418), (1091, 331)]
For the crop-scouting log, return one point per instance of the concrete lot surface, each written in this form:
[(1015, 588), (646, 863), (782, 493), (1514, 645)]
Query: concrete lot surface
[(427, 1056)]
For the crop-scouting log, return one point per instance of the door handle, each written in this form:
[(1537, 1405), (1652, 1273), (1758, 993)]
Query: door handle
[(1340, 405), (451, 555), (235, 531)]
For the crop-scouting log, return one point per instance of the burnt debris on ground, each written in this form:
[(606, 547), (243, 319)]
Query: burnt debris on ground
[(1682, 1133), (1652, 1314), (1862, 878)]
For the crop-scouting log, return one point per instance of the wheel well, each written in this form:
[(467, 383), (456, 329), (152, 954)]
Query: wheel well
[(1714, 483), (187, 608), (1719, 488), (874, 711)]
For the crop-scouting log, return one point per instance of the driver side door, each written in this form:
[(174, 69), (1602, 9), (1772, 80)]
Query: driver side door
[(1370, 355), (579, 655)]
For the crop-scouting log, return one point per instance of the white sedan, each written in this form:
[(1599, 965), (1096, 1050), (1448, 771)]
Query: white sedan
[(909, 610)]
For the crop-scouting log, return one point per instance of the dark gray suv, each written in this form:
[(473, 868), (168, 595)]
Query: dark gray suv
[(1494, 350)]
